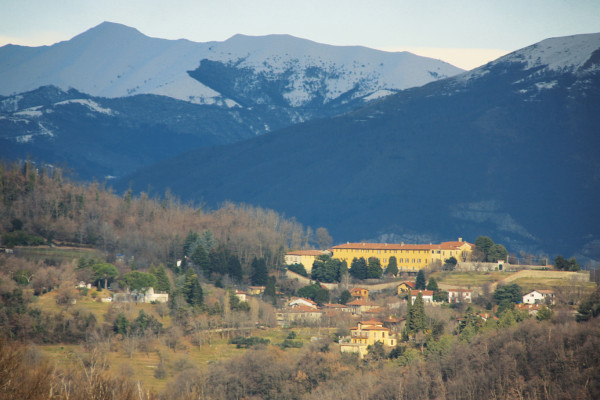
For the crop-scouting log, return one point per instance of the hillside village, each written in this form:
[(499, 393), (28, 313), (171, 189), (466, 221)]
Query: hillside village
[(378, 309), (163, 295)]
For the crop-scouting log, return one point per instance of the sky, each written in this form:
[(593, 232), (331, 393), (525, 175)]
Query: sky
[(466, 33)]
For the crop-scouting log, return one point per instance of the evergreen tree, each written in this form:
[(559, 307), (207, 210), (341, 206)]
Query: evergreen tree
[(497, 253), (259, 272), (270, 291), (432, 284), (418, 319), (234, 268), (121, 324), (192, 290), (219, 259), (566, 265), (374, 270), (408, 311), (207, 240), (163, 284), (420, 283), (201, 260), (190, 243), (358, 268), (345, 296), (327, 269), (392, 268), (484, 244), (299, 269), (136, 280), (104, 272)]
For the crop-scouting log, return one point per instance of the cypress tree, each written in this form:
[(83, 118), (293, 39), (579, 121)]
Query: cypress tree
[(392, 268), (259, 272), (420, 284), (432, 285), (192, 289), (418, 321)]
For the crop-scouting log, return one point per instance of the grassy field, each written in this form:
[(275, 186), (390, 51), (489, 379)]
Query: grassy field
[(55, 254), (530, 283), (469, 279)]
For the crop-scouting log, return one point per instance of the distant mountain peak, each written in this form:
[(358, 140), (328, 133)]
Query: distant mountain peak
[(567, 53)]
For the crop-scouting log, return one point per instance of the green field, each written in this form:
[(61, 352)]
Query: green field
[(55, 254), (468, 279)]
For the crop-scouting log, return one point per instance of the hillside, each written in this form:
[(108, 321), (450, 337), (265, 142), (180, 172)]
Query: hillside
[(508, 149)]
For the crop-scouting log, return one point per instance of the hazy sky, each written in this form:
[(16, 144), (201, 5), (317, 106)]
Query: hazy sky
[(466, 33)]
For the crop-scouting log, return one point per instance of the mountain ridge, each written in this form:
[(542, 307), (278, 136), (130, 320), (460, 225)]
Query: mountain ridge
[(467, 155)]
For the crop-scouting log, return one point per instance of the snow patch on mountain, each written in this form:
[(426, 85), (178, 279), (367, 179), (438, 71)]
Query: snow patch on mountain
[(33, 112), (561, 54), (378, 94), (92, 105)]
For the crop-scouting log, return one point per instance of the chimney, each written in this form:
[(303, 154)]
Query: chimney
[(402, 243), (460, 239)]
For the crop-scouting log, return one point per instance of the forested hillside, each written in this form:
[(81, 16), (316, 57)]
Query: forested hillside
[(41, 202)]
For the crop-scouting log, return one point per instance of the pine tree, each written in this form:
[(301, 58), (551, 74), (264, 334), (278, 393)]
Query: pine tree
[(200, 259), (191, 241)]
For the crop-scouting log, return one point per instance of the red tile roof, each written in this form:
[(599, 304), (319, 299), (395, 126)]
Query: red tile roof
[(423, 292), (303, 309), (360, 302), (394, 246)]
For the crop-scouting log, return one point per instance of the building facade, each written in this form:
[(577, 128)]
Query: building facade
[(366, 334), (304, 257), (409, 257)]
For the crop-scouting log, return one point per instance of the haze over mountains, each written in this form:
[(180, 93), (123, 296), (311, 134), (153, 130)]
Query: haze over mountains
[(113, 88), (372, 145), (509, 150)]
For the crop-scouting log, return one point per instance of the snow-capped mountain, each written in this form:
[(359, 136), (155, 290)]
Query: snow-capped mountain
[(509, 149), (112, 83), (112, 60)]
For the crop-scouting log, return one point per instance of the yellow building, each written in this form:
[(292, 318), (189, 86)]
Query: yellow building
[(304, 257), (409, 257), (360, 292), (365, 335)]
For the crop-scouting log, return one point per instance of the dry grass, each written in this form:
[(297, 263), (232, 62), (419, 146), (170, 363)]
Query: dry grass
[(68, 254), (469, 279)]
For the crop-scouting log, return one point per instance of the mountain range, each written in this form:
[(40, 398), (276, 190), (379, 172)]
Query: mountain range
[(508, 150), (91, 101), (372, 145)]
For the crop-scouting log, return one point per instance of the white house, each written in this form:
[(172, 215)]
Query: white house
[(240, 294), (427, 296), (538, 297), (459, 296), (301, 301)]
